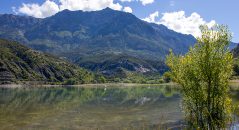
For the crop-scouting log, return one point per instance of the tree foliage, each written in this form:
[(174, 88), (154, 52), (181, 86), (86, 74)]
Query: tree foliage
[(203, 73)]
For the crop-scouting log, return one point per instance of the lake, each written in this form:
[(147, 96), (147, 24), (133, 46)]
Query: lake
[(92, 108)]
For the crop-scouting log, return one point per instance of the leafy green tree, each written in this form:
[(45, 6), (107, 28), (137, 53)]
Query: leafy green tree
[(100, 79), (166, 77), (70, 82), (203, 73)]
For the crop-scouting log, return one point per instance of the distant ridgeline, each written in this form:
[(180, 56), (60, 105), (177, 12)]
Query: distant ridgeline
[(21, 64), (107, 41)]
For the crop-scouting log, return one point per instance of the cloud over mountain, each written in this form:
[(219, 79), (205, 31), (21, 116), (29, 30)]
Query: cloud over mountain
[(151, 18), (49, 8), (127, 9), (179, 22)]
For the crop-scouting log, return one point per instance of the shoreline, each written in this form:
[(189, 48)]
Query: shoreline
[(231, 82), (81, 85)]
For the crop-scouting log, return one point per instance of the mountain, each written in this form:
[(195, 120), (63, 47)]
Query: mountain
[(109, 64), (104, 34), (94, 32), (13, 26), (235, 51), (19, 63), (233, 45)]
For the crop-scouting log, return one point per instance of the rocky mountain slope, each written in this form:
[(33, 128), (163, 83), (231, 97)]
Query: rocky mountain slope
[(78, 35), (19, 63), (94, 32)]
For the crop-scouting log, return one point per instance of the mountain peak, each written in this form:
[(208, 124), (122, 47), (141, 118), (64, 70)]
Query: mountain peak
[(108, 8), (66, 10), (80, 11)]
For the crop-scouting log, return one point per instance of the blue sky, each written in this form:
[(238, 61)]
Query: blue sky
[(180, 15)]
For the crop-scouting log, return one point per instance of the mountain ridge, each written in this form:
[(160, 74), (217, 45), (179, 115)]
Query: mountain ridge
[(76, 26), (77, 35)]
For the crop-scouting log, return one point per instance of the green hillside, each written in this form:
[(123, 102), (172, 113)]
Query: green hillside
[(19, 63)]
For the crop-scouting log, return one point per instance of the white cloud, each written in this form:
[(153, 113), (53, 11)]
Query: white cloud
[(126, 0), (88, 5), (49, 8), (145, 2), (127, 9), (179, 22), (116, 6), (151, 18)]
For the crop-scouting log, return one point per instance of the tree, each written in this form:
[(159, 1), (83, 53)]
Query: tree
[(203, 73), (166, 77)]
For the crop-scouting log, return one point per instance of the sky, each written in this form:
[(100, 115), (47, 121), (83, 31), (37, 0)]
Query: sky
[(184, 16)]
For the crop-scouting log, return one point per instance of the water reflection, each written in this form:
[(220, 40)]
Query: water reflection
[(89, 108), (105, 108)]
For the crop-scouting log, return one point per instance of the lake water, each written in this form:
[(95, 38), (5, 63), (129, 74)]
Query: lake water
[(91, 108)]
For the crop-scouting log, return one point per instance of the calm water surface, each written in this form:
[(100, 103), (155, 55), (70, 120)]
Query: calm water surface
[(84, 108)]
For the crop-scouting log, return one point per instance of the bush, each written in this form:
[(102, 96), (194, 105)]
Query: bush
[(70, 82)]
